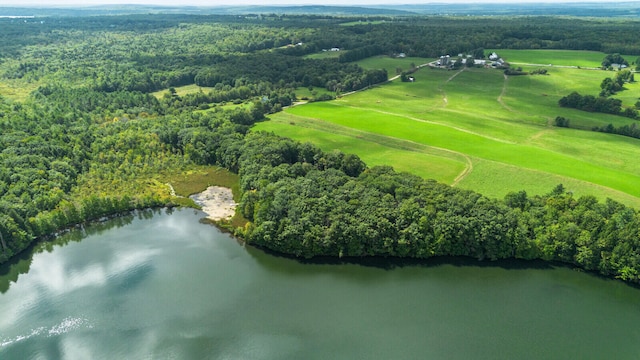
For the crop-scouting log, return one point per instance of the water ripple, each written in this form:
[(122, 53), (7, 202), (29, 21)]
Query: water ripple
[(66, 325)]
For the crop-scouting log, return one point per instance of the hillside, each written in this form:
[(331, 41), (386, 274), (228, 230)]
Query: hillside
[(498, 128)]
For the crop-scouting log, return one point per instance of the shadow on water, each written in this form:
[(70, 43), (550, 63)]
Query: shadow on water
[(21, 263), (12, 269), (273, 261), (391, 263)]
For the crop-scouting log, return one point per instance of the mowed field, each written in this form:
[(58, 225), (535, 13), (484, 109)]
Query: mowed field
[(477, 129), (555, 57)]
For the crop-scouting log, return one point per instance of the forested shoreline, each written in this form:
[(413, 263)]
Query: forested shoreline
[(89, 140), (307, 203)]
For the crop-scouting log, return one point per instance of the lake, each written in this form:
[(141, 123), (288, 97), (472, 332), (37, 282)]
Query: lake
[(163, 285)]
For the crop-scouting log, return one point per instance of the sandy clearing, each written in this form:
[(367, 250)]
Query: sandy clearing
[(217, 202)]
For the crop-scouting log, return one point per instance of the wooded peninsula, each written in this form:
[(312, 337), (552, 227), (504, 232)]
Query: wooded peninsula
[(99, 113)]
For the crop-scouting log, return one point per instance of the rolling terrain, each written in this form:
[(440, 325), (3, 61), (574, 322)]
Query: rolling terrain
[(479, 129)]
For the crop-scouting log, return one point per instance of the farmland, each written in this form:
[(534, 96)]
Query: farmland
[(587, 59), (99, 116), (503, 125)]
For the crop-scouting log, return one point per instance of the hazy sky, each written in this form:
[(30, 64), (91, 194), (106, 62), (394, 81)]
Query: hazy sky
[(254, 2)]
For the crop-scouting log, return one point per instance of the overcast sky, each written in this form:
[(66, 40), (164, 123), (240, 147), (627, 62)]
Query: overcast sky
[(254, 2)]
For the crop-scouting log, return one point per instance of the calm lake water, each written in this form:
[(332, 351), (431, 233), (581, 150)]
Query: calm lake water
[(158, 285)]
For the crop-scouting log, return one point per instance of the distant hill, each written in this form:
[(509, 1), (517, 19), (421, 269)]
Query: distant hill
[(314, 9), (591, 9), (216, 10), (587, 9), (98, 10)]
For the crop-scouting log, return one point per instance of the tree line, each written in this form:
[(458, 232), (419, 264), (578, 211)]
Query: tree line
[(300, 200), (603, 103), (305, 202), (91, 141), (600, 104)]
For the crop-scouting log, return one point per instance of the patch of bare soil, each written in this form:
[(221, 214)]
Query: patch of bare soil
[(217, 202)]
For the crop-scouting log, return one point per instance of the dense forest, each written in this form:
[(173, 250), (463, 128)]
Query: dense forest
[(82, 137), (305, 202)]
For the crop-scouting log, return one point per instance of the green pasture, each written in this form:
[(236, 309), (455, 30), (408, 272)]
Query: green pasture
[(538, 96), (412, 98), (374, 150), (434, 98), (439, 166), (391, 63), (324, 55), (631, 93), (486, 174), (474, 144), (579, 58), (501, 125)]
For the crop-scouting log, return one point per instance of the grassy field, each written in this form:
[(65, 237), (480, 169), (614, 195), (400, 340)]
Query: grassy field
[(424, 161), (480, 130), (629, 95), (324, 55), (555, 57), (368, 22), (570, 58), (183, 90), (391, 63)]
